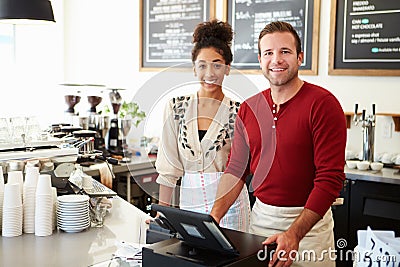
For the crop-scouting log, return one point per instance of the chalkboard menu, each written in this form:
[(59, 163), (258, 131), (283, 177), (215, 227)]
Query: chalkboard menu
[(248, 18), (167, 29), (365, 37)]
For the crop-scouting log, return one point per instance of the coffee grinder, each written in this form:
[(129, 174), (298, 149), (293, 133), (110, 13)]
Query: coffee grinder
[(94, 96), (72, 96), (114, 134), (96, 121)]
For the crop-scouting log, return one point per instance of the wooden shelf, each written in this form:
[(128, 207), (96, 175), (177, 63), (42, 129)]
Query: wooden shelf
[(395, 117), (349, 118)]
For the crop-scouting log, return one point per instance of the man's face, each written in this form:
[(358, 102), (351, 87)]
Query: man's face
[(279, 61)]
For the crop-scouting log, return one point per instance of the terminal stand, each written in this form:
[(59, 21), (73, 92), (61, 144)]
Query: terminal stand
[(176, 253)]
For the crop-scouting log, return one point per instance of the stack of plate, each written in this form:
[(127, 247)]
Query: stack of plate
[(73, 213)]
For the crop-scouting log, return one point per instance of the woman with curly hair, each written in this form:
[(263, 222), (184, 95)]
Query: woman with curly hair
[(198, 130)]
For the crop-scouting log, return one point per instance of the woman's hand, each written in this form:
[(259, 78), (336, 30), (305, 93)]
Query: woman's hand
[(148, 221)]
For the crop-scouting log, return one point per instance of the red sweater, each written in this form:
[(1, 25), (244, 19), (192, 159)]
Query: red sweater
[(296, 155)]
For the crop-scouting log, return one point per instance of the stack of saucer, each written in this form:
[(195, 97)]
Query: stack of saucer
[(73, 213), (1, 196), (12, 211)]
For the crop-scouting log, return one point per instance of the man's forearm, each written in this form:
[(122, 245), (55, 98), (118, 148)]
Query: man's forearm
[(229, 188), (303, 224)]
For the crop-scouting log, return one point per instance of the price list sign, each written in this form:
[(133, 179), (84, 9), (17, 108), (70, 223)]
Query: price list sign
[(367, 36), (248, 18), (167, 30)]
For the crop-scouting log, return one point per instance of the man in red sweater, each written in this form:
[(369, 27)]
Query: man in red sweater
[(293, 137)]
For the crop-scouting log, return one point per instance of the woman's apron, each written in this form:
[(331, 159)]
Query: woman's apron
[(198, 192)]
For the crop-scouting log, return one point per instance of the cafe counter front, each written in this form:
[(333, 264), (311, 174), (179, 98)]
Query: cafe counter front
[(124, 223)]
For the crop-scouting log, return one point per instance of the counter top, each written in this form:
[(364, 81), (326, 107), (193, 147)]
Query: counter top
[(125, 222), (386, 175)]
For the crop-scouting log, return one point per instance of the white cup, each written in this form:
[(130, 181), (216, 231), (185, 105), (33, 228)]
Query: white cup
[(387, 158), (16, 177), (376, 166), (1, 179), (43, 186), (363, 165), (12, 196), (349, 154), (396, 159), (87, 182), (31, 176)]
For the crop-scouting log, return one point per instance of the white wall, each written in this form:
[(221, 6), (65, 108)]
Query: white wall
[(102, 46), (28, 85)]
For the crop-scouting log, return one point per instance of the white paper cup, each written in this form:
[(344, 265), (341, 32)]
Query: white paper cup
[(54, 221), (43, 186), (1, 179), (31, 176), (16, 177), (12, 196)]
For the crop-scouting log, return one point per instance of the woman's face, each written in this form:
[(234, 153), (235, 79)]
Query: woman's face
[(210, 69)]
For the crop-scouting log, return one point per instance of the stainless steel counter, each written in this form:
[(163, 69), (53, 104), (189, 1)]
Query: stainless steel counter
[(386, 175), (124, 223)]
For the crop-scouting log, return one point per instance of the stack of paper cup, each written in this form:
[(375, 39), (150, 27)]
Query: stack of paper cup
[(54, 220), (29, 197), (44, 206), (1, 196), (12, 211), (16, 177)]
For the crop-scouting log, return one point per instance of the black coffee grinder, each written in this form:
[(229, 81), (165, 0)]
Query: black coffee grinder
[(114, 134)]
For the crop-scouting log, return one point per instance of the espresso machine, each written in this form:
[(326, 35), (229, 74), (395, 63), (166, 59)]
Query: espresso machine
[(114, 144)]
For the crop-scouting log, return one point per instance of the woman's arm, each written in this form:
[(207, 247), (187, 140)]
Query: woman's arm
[(165, 195)]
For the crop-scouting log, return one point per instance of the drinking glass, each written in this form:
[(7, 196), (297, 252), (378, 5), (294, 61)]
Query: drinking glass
[(98, 211), (5, 132)]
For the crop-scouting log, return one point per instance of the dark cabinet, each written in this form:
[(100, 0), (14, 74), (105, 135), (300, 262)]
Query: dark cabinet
[(373, 204), (366, 203), (341, 226)]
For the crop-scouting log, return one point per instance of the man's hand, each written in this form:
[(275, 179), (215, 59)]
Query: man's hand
[(288, 241), (287, 246)]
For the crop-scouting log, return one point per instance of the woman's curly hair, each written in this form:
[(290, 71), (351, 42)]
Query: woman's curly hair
[(216, 34)]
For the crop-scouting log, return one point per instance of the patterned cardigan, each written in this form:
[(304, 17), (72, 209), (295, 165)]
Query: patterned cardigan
[(181, 151)]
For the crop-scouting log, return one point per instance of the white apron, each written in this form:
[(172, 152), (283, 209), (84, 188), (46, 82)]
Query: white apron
[(198, 192), (267, 220)]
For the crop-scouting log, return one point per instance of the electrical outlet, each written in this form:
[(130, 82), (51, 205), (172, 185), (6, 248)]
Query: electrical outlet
[(387, 130)]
